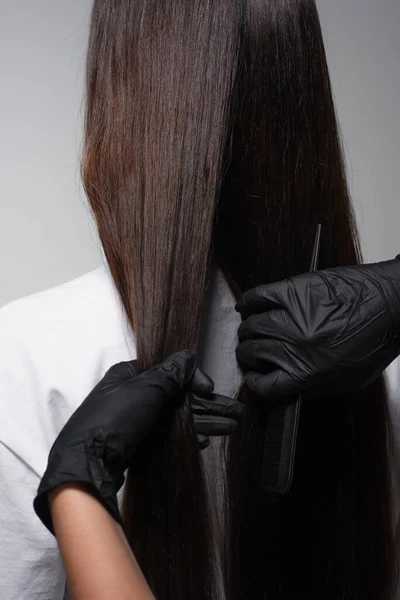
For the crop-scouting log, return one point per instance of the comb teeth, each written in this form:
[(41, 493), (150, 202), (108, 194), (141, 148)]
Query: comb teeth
[(272, 458), (280, 447)]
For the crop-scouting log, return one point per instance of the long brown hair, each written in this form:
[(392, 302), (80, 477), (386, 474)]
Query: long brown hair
[(211, 132)]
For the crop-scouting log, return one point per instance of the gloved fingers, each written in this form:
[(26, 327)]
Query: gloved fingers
[(215, 426), (174, 373), (274, 324), (260, 355), (217, 406), (274, 386), (123, 371), (203, 441), (201, 383), (263, 298)]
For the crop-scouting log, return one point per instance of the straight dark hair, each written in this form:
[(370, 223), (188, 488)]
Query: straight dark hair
[(211, 133)]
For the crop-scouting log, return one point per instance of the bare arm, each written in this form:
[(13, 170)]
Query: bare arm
[(97, 558)]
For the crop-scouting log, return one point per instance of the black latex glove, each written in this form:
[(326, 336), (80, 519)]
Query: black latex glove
[(97, 444), (328, 331), (213, 414)]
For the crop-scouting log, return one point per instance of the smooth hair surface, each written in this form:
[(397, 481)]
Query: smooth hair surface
[(211, 134)]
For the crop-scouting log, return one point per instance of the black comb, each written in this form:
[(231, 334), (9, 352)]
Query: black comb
[(281, 428)]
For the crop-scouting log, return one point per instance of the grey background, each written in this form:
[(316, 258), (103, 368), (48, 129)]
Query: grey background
[(46, 236)]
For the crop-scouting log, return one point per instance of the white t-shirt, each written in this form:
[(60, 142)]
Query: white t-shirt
[(54, 347)]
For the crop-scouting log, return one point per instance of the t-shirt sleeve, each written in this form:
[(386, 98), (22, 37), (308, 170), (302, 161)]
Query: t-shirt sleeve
[(30, 564)]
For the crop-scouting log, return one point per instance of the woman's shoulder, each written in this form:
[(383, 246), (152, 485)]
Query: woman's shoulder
[(73, 329), (68, 299), (87, 302), (54, 347)]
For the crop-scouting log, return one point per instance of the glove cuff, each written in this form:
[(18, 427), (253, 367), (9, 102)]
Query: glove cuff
[(76, 464)]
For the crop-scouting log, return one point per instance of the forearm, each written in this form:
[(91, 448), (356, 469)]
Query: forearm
[(97, 558)]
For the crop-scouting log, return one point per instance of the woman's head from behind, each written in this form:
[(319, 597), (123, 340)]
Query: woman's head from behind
[(211, 131)]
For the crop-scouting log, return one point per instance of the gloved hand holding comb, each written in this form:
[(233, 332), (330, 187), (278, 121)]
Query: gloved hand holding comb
[(333, 330)]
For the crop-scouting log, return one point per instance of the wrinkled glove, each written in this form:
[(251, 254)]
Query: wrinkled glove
[(97, 444), (328, 331)]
